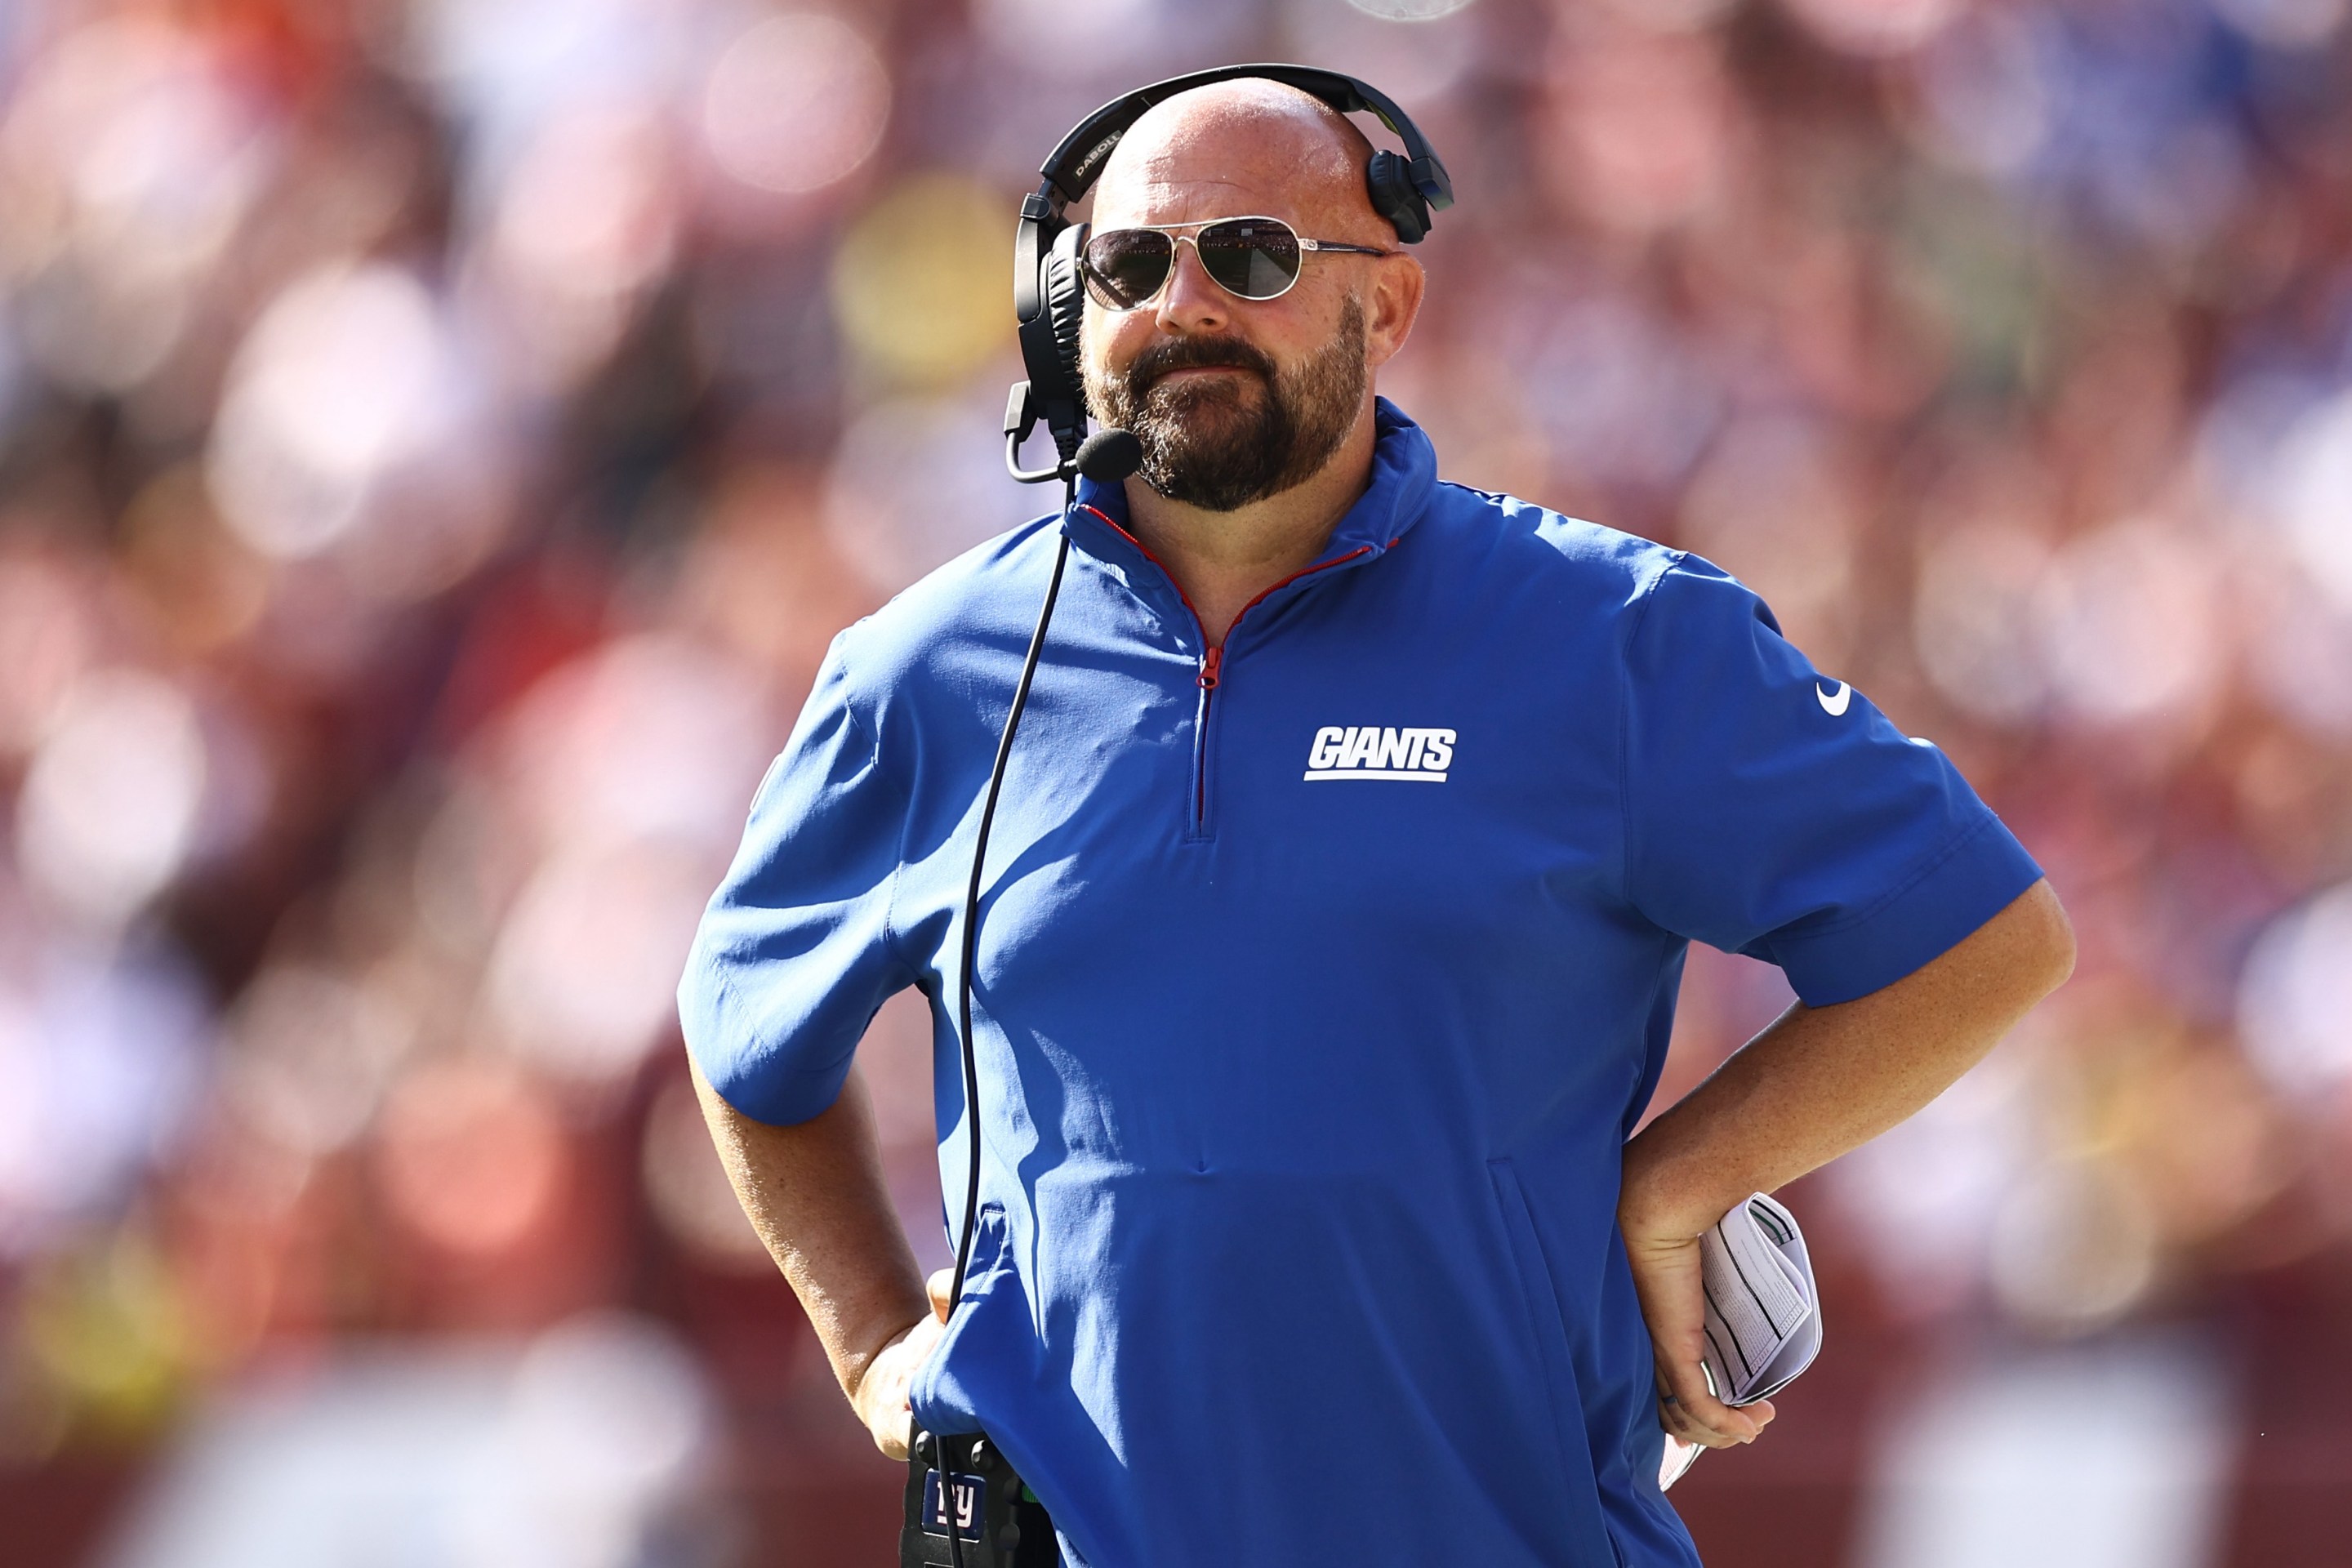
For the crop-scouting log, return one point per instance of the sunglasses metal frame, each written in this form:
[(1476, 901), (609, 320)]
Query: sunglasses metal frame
[(1094, 279)]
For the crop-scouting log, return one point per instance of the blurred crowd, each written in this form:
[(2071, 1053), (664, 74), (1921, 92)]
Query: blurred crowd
[(438, 441)]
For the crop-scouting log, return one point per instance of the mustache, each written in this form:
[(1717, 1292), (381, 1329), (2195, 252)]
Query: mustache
[(1195, 353)]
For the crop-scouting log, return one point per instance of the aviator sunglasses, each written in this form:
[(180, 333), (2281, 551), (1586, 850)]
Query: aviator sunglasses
[(1253, 257)]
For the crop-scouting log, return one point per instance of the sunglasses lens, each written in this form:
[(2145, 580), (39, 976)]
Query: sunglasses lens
[(1125, 267), (1255, 258)]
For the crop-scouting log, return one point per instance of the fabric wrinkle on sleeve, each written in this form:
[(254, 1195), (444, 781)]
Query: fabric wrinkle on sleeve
[(796, 951), (1774, 812)]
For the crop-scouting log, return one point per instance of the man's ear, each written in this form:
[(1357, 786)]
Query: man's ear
[(1390, 307)]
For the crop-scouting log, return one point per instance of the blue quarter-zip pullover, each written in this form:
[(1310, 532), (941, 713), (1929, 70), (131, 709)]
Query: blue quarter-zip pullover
[(1320, 980)]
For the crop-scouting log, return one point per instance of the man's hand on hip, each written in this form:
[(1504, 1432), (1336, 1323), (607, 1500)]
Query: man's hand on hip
[(1673, 1303), (880, 1397), (1819, 1081), (816, 1194)]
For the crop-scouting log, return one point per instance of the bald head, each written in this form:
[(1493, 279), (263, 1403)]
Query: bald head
[(1240, 147)]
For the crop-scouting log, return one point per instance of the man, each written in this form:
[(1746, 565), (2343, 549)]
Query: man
[(1336, 909)]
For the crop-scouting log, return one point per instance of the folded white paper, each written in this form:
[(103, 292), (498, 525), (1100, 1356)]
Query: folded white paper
[(1763, 1313)]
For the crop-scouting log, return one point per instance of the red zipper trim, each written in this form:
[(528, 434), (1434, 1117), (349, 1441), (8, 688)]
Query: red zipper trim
[(1209, 663), (1295, 577), (1156, 562), (1213, 658)]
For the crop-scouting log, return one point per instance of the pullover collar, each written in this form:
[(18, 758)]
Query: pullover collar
[(1405, 477)]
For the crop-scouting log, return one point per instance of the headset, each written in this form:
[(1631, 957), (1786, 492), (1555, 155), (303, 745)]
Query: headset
[(1048, 299), (961, 1491)]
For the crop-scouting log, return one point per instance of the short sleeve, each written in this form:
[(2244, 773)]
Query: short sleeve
[(794, 952), (1772, 812)]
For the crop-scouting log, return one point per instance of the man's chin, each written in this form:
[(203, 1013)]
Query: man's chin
[(1198, 453), (1207, 409)]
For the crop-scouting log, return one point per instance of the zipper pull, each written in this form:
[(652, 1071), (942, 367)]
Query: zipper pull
[(1209, 662)]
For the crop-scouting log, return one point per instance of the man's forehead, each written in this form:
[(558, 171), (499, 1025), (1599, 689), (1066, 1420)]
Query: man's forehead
[(1180, 200)]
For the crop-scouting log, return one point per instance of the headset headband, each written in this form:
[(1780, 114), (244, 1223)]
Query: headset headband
[(1077, 161)]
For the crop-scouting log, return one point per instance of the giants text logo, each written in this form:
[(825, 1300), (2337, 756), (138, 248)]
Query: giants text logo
[(1368, 752)]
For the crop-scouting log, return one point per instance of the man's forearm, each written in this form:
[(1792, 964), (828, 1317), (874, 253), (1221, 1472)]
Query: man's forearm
[(815, 1193), (1824, 1081)]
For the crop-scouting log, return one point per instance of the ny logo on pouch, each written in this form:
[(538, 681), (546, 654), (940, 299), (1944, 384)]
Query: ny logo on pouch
[(969, 1492)]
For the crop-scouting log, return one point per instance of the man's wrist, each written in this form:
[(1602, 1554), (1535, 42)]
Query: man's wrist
[(1665, 1200), (850, 1366)]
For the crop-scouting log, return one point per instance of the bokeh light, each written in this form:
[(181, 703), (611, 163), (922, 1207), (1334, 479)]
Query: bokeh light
[(1974, 619), (100, 1056), (470, 1154), (1878, 26), (585, 971), (2074, 1247), (338, 384), (47, 638), (589, 218), (2315, 495), (893, 460), (110, 802), (2129, 626), (311, 1052), (571, 1451), (1420, 60), (2286, 24), (1645, 128), (795, 103), (2294, 1009), (651, 738), (610, 1402), (1408, 10), (127, 158), (1983, 94), (921, 278), (1092, 35)]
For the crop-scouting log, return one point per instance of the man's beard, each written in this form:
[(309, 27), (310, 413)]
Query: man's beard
[(1214, 443)]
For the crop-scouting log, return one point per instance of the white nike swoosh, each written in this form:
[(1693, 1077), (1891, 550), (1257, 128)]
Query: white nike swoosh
[(1834, 706)]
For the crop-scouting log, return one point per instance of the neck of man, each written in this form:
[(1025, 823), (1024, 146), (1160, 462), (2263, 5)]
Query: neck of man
[(1222, 560)]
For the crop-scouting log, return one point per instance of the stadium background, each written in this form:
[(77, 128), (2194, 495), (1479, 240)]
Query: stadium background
[(438, 439)]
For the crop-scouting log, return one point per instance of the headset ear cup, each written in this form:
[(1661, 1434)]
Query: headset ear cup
[(1049, 340), (1065, 305), (1388, 181)]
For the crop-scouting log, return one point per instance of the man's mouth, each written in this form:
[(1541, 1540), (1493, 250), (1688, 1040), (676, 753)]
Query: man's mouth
[(1183, 373)]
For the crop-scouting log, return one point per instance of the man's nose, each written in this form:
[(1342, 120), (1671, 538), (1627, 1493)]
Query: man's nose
[(1191, 302)]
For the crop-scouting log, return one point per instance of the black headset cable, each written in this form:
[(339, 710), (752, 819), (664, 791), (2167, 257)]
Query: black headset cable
[(971, 922), (963, 993), (1108, 455)]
